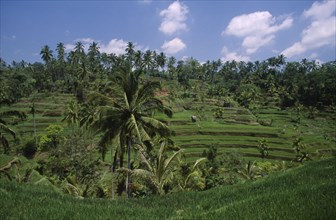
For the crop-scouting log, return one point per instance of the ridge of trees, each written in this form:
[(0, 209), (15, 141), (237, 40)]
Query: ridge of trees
[(283, 83)]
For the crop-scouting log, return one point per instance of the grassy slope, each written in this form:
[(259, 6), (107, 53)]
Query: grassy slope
[(308, 192)]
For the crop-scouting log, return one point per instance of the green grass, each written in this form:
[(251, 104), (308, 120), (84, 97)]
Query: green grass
[(307, 192)]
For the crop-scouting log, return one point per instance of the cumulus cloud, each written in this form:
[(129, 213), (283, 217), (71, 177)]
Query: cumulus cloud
[(69, 47), (116, 46), (321, 31), (320, 10), (173, 46), (258, 29), (232, 55), (87, 40), (174, 18)]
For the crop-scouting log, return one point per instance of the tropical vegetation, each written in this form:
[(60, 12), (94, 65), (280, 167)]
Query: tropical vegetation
[(142, 125)]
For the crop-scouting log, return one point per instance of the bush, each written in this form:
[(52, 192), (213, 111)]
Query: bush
[(229, 102), (29, 149), (265, 122)]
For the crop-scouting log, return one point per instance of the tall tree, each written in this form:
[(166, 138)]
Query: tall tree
[(60, 52), (138, 59), (130, 51), (46, 54), (147, 60), (127, 114), (60, 60), (161, 60), (93, 58)]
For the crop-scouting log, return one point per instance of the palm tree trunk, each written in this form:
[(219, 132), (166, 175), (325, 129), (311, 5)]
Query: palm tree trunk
[(112, 190), (128, 178), (34, 125)]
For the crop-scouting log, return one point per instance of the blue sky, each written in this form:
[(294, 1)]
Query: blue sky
[(205, 30)]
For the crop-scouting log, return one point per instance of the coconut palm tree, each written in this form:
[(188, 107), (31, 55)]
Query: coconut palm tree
[(46, 54), (148, 60), (161, 60), (60, 52), (138, 59), (171, 67), (157, 172), (126, 114), (130, 51), (5, 129), (71, 114), (193, 178)]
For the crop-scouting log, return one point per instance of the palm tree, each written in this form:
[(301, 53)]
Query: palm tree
[(127, 113), (71, 114), (147, 60), (193, 178), (130, 51), (60, 52), (161, 60), (249, 171), (79, 52), (138, 59), (46, 53), (93, 58), (4, 129), (171, 67), (157, 172), (60, 60), (33, 111)]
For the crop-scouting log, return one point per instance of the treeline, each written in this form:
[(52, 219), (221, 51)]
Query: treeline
[(270, 82)]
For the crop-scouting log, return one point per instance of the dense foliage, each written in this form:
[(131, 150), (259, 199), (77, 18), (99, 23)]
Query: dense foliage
[(272, 81), (118, 100)]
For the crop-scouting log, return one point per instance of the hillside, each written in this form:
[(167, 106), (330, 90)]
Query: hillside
[(229, 129), (307, 192)]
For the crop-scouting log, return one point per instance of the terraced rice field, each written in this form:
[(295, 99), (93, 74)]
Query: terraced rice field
[(49, 110), (238, 130)]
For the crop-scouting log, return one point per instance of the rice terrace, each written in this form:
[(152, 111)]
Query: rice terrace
[(189, 118)]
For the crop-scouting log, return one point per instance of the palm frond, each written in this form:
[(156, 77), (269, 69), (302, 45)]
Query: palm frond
[(6, 129), (18, 114), (169, 161), (198, 161)]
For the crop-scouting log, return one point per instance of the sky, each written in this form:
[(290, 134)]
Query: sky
[(205, 30)]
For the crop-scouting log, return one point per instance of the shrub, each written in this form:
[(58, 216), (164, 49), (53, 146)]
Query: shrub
[(29, 149), (265, 122)]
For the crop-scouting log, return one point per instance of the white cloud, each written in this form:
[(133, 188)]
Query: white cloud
[(229, 56), (185, 58), (69, 47), (174, 18), (173, 46), (320, 10), (258, 29), (253, 43), (321, 32), (114, 46), (85, 40)]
